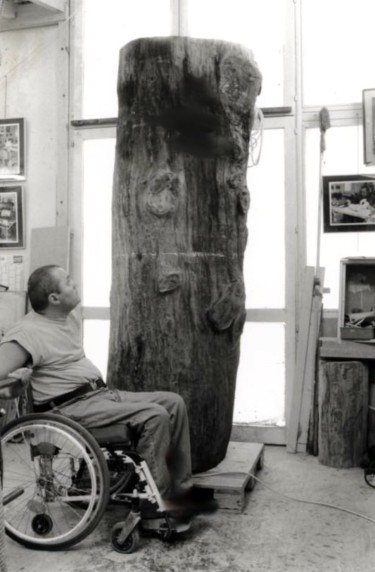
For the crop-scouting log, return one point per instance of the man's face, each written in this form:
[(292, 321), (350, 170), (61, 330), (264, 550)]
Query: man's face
[(66, 290)]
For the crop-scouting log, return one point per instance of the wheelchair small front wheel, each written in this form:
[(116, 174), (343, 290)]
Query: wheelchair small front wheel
[(369, 475), (42, 524), (131, 542)]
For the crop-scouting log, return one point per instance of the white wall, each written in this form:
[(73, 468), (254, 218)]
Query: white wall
[(32, 85)]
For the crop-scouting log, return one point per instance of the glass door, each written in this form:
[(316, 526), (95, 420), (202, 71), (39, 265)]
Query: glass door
[(267, 345)]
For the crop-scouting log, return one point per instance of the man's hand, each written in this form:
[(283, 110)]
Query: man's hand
[(11, 389), (22, 373)]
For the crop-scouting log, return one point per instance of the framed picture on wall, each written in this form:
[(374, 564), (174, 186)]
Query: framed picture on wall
[(12, 149), (11, 217), (368, 107), (349, 203)]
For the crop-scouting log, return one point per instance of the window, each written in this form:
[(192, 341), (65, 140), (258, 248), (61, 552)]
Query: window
[(98, 161), (260, 391), (269, 266), (265, 256), (337, 47), (249, 24), (106, 28)]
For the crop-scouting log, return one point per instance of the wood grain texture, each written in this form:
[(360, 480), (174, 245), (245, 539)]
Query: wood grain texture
[(180, 202), (343, 410)]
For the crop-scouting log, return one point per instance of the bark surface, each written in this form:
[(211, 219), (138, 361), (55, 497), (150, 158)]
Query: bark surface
[(180, 201)]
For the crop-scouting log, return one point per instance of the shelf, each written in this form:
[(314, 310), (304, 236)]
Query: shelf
[(333, 348)]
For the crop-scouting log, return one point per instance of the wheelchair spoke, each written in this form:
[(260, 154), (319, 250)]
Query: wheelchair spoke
[(56, 481)]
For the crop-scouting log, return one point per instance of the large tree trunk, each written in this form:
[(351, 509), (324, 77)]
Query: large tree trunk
[(180, 200)]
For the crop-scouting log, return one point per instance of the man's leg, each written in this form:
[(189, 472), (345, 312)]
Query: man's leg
[(179, 453), (148, 420)]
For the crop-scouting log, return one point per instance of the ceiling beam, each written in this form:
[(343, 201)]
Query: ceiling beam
[(55, 5)]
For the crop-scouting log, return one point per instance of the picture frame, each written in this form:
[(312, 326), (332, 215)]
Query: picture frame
[(11, 217), (368, 109), (12, 149), (348, 203)]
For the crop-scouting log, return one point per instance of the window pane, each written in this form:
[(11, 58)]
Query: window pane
[(264, 265), (257, 24), (98, 157), (337, 47), (260, 380), (107, 27), (343, 155), (95, 342)]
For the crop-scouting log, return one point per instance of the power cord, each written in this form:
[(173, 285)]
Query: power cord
[(288, 497)]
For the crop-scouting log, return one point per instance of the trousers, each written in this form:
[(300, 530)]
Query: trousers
[(157, 419)]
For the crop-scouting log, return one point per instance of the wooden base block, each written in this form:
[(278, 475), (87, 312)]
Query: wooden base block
[(231, 478)]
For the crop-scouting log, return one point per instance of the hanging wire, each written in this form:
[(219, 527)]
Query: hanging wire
[(256, 138)]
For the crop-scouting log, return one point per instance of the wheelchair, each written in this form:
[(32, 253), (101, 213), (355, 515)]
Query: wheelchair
[(58, 479)]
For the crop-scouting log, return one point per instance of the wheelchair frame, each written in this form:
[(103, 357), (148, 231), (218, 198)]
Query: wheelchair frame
[(58, 479)]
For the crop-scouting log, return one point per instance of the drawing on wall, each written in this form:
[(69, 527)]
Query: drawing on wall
[(349, 203), (11, 217), (12, 149)]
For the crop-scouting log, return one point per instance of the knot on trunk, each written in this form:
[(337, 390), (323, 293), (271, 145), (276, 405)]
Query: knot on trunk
[(162, 193), (228, 307)]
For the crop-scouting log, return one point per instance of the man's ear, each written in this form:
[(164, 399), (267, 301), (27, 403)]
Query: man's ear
[(53, 298)]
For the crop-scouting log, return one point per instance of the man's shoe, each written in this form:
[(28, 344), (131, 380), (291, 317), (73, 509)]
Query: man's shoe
[(192, 502)]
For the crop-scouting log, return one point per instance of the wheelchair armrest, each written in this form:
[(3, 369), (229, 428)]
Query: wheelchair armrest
[(11, 388)]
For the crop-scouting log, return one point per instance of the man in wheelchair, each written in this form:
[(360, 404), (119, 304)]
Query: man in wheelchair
[(46, 344)]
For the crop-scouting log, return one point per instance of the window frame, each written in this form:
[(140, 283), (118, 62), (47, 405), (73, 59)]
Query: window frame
[(275, 118)]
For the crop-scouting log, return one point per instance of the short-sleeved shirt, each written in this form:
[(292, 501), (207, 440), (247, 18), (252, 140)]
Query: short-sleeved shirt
[(57, 356)]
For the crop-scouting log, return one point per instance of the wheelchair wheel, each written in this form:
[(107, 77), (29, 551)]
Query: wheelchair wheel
[(45, 506), (131, 542)]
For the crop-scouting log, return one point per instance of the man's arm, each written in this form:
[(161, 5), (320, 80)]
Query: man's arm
[(12, 356)]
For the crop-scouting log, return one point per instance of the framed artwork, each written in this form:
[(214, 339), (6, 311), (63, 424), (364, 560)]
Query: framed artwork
[(11, 217), (349, 203), (12, 149)]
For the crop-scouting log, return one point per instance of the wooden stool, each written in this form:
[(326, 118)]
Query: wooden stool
[(343, 410)]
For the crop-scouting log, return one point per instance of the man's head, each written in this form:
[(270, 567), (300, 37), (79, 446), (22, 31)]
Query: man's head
[(50, 287)]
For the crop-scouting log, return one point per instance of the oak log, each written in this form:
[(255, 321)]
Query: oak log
[(180, 200), (343, 412)]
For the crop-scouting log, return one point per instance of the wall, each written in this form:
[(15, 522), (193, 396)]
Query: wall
[(33, 84)]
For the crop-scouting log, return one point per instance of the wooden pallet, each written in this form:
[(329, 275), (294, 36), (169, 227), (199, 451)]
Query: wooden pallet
[(230, 480)]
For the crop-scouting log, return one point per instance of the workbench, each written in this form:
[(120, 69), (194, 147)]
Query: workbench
[(334, 348)]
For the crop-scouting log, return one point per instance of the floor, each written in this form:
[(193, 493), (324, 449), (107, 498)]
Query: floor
[(274, 533)]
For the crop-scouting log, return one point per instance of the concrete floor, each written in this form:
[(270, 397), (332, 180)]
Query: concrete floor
[(273, 534)]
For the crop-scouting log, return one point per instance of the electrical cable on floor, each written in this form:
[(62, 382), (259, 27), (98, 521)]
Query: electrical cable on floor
[(289, 497)]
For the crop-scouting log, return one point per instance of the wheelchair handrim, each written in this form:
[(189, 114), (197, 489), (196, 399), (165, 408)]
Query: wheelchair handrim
[(81, 446)]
